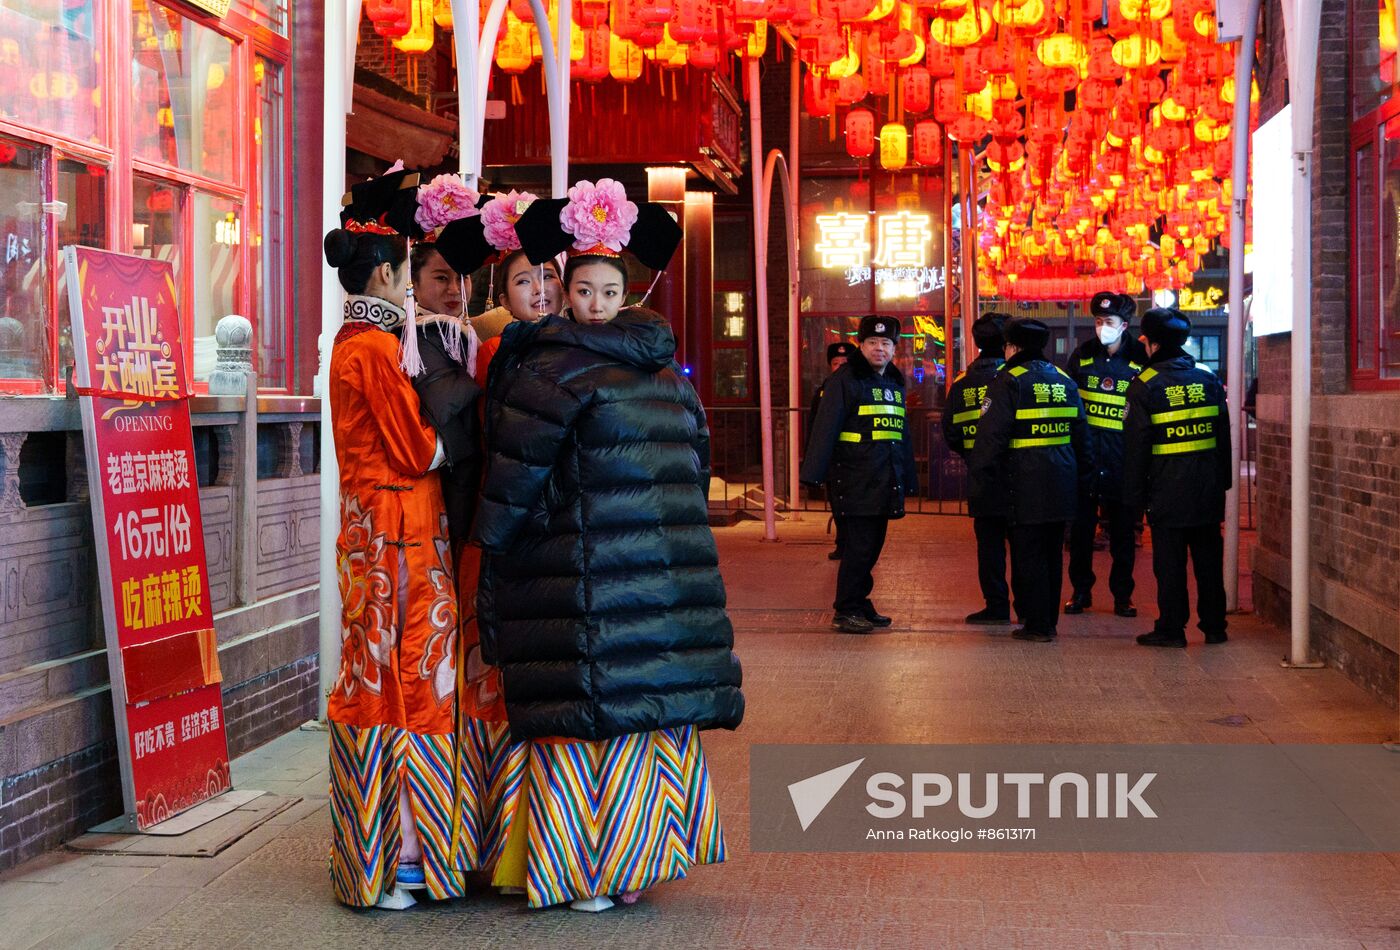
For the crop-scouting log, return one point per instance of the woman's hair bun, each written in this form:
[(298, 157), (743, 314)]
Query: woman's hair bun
[(340, 247)]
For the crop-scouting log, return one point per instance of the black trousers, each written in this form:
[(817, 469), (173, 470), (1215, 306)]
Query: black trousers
[(861, 542), (991, 536), (1206, 547), (1122, 547), (1037, 562)]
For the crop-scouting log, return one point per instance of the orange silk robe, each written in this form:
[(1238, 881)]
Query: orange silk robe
[(399, 615)]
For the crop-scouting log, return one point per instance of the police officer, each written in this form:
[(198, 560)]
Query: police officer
[(989, 511), (1177, 467), (1102, 368), (1032, 429), (860, 449), (836, 356)]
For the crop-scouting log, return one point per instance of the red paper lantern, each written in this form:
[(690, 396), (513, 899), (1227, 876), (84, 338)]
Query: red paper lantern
[(593, 67), (928, 143), (940, 60), (878, 77), (391, 18), (860, 133), (850, 90), (589, 14), (818, 95), (917, 86), (968, 128)]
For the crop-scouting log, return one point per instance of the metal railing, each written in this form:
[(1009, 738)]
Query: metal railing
[(737, 464), (736, 461)]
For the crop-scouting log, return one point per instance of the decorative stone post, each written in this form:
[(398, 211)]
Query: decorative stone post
[(234, 336)]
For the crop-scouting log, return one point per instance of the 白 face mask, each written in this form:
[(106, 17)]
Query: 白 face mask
[(1109, 335)]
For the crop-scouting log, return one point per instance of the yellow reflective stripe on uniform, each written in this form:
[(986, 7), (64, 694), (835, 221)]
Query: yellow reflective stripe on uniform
[(1180, 448), (960, 417), (880, 409), (1113, 399), (1087, 361), (1018, 371), (885, 435), (1176, 415), (1060, 371), (1052, 412), (1132, 365), (1147, 374), (850, 436), (967, 443), (1037, 443), (1103, 423)]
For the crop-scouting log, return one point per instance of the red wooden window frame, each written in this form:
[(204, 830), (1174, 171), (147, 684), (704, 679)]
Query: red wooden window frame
[(1367, 130), (115, 153)]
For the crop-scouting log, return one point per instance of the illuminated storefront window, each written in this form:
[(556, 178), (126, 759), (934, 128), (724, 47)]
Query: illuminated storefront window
[(193, 154), (874, 246)]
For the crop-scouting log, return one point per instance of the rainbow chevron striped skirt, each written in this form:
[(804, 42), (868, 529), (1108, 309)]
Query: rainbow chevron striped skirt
[(564, 820), (605, 818), (368, 768)]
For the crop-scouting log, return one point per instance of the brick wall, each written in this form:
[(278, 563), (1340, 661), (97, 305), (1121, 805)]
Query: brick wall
[(43, 807), (1355, 465)]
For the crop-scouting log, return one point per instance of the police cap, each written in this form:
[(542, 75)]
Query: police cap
[(987, 330), (839, 349), (1106, 303), (1166, 326), (1027, 334), (876, 325)]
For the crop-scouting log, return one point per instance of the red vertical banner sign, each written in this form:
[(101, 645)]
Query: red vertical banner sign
[(134, 386)]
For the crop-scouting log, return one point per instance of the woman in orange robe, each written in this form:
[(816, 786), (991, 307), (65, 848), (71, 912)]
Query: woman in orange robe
[(395, 801)]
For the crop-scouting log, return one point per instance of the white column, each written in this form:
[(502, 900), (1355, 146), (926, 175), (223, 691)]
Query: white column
[(760, 273), (1302, 22), (339, 52), (466, 30), (790, 194), (1234, 359)]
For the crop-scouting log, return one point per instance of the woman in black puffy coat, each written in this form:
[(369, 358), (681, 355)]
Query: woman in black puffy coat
[(601, 599)]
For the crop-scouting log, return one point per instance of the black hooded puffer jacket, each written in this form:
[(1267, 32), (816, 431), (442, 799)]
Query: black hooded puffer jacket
[(601, 598)]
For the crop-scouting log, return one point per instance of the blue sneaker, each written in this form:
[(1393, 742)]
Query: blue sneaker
[(410, 876)]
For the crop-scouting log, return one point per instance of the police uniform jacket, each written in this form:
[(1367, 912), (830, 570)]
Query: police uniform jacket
[(1032, 439), (960, 416), (1103, 380), (860, 444), (1177, 443), (600, 597)]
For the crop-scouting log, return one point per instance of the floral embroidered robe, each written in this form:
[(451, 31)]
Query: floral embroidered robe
[(392, 711)]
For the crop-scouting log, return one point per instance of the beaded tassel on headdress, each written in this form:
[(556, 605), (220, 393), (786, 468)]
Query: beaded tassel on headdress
[(409, 357)]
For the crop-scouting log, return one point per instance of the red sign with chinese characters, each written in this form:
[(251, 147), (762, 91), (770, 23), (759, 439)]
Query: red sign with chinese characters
[(133, 380)]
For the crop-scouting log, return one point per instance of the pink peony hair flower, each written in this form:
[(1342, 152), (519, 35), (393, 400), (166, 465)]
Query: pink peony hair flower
[(599, 215), (442, 200), (498, 217)]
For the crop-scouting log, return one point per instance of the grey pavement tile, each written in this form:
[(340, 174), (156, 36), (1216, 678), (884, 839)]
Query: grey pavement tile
[(104, 926), (931, 680)]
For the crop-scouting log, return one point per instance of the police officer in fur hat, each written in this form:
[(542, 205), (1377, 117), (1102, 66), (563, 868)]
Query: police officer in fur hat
[(1032, 434), (988, 512), (1176, 466), (1103, 367), (836, 356), (860, 449)]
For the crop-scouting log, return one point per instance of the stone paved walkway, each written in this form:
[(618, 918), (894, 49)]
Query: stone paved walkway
[(930, 679)]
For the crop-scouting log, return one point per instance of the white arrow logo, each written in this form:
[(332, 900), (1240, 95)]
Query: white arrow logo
[(811, 795)]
